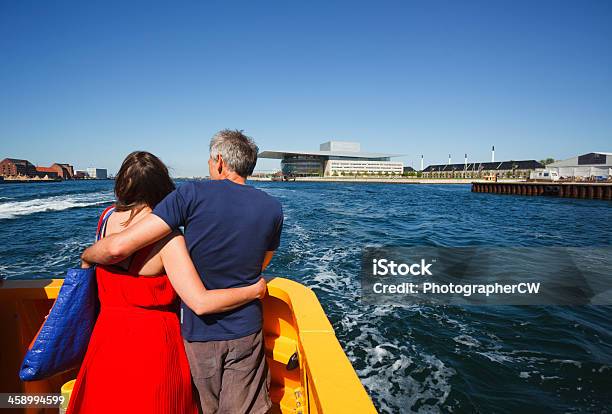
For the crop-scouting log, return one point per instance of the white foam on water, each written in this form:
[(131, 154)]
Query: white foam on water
[(276, 192), (385, 369), (577, 364), (498, 357), (516, 357), (16, 209), (388, 362), (552, 377), (546, 236), (467, 340), (64, 254), (4, 272), (387, 375)]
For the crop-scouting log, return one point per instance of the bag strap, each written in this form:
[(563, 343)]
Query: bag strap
[(102, 222)]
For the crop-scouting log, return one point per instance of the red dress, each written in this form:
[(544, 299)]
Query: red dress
[(136, 361)]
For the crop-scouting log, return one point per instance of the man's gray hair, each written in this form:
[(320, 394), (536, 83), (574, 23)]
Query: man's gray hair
[(237, 150)]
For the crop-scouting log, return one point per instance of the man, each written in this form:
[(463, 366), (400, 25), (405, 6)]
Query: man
[(232, 231)]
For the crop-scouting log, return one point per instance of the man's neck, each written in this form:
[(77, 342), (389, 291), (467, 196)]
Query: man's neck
[(235, 178)]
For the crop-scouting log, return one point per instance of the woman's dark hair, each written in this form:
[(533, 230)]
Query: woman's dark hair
[(142, 181)]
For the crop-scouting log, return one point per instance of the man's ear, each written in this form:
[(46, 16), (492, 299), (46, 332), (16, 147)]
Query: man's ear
[(220, 163)]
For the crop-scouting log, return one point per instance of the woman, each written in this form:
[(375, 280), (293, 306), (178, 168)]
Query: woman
[(136, 361)]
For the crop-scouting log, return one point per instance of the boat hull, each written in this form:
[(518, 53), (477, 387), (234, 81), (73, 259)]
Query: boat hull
[(310, 371)]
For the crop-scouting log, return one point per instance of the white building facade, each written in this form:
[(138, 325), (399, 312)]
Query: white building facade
[(340, 167), (97, 173), (335, 158), (586, 166)]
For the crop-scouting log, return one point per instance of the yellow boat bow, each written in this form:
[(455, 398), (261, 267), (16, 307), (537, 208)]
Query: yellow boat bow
[(310, 372)]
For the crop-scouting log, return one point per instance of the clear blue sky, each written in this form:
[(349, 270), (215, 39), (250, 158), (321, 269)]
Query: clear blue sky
[(86, 84)]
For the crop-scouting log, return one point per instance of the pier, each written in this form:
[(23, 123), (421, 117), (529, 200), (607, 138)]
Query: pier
[(599, 191)]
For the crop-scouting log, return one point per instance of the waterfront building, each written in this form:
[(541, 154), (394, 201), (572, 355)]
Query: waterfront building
[(13, 167), (335, 158), (502, 169), (97, 173), (592, 164), (46, 172), (408, 170), (64, 171)]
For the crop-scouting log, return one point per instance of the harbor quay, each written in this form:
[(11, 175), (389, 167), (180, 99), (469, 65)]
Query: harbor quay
[(600, 191), (380, 180)]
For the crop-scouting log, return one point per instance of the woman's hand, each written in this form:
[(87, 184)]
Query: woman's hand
[(85, 265), (259, 289)]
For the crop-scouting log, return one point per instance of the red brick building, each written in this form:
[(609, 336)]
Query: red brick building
[(65, 171), (47, 171), (13, 166)]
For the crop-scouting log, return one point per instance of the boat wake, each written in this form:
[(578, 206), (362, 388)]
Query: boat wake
[(16, 209), (64, 254)]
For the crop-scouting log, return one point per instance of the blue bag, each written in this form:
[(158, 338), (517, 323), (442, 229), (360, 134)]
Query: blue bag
[(62, 341)]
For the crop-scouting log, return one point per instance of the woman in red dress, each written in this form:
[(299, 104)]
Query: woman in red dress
[(136, 361)]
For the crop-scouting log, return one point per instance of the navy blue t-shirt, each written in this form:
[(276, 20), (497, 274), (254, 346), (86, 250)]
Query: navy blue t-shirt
[(228, 229)]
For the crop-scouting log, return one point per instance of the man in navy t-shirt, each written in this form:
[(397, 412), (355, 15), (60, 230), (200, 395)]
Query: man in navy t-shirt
[(229, 228), (232, 231)]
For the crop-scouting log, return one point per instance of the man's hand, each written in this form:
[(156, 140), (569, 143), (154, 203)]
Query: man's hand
[(118, 246)]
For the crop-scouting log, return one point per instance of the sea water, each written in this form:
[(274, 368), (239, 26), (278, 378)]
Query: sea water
[(486, 359)]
